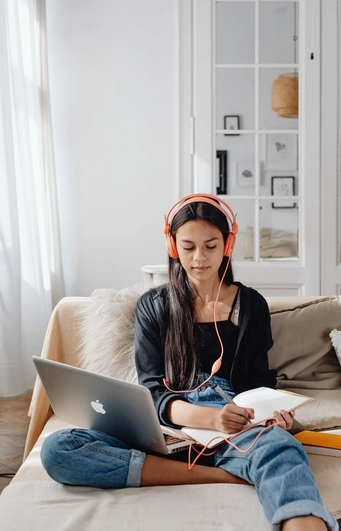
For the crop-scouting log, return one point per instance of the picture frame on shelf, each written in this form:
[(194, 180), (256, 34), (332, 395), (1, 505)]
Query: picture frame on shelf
[(246, 170), (282, 186), (231, 122), (281, 151), (221, 172)]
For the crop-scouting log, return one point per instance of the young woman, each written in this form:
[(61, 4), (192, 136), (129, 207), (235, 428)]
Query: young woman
[(176, 347)]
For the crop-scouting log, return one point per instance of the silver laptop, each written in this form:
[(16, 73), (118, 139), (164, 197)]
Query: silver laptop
[(93, 401)]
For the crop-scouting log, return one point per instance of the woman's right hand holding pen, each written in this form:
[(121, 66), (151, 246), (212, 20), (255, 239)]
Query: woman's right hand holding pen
[(232, 418)]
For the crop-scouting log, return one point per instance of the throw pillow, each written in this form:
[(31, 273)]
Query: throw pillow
[(335, 336), (302, 353)]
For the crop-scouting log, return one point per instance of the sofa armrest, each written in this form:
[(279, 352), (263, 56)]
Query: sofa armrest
[(61, 344)]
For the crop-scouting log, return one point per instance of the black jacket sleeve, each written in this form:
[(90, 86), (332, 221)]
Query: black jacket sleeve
[(149, 353), (260, 343)]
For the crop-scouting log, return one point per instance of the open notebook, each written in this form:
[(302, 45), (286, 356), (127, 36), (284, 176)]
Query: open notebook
[(263, 400)]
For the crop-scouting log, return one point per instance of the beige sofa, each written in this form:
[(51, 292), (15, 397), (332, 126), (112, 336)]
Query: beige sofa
[(97, 333)]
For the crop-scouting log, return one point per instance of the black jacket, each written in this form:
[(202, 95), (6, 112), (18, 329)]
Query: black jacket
[(250, 367)]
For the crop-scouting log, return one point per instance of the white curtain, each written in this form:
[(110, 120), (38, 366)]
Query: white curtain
[(31, 279)]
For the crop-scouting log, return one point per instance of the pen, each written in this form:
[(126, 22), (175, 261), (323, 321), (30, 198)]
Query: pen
[(224, 395)]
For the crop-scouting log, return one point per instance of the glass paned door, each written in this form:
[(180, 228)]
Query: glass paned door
[(256, 109), (256, 54)]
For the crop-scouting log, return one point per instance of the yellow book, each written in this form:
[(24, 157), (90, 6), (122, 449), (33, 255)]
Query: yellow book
[(320, 443)]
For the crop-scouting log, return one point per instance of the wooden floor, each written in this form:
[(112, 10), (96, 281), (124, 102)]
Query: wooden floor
[(13, 429)]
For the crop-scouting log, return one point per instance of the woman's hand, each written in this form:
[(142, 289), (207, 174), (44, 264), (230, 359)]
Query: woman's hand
[(284, 419), (232, 418)]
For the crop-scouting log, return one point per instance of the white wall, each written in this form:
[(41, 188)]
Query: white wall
[(113, 67)]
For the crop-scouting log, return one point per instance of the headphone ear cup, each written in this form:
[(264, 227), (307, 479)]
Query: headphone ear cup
[(171, 247), (229, 244)]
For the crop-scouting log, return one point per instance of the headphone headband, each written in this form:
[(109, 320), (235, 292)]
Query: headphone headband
[(201, 198)]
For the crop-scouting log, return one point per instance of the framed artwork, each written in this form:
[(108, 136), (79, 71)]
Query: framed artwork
[(246, 173), (283, 186), (281, 152), (231, 123), (221, 172)]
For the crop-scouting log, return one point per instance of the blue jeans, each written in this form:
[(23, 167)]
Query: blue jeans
[(277, 465)]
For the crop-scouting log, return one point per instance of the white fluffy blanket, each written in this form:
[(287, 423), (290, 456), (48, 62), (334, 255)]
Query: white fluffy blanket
[(107, 332)]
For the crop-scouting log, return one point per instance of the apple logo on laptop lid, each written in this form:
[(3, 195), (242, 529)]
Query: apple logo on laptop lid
[(98, 407)]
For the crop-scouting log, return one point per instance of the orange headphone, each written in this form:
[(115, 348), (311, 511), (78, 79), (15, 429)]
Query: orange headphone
[(201, 198), (228, 250)]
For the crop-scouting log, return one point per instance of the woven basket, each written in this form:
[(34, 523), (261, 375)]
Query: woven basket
[(284, 99)]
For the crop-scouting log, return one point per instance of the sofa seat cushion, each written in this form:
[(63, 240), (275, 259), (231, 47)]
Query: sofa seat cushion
[(47, 505)]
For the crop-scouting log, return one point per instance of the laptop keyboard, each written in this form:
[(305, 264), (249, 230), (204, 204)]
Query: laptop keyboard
[(170, 439)]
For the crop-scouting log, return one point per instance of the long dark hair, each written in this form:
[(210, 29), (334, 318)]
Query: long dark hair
[(181, 360)]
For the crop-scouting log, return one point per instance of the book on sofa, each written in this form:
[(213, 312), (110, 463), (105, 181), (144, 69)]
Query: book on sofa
[(320, 443), (263, 400)]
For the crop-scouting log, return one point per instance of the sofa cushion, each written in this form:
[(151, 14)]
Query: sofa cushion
[(48, 505), (305, 361), (302, 354)]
